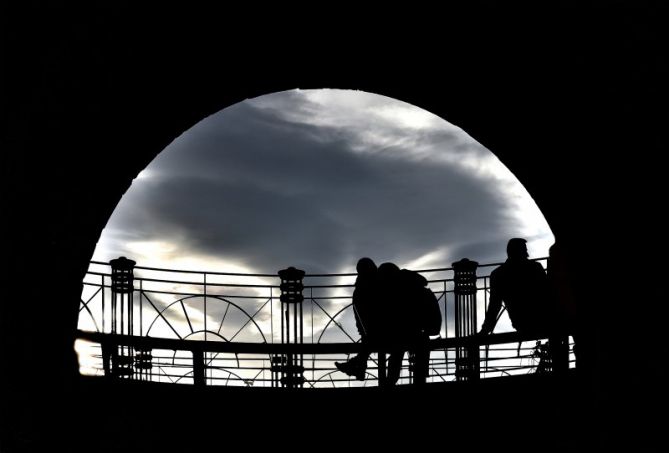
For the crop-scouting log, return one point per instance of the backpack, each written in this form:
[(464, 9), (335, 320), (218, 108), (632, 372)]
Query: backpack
[(427, 315), (430, 314)]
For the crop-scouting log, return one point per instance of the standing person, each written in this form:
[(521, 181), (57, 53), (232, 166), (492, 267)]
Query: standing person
[(365, 308)]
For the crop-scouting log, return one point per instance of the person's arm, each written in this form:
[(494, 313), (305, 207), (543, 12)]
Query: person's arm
[(494, 306)]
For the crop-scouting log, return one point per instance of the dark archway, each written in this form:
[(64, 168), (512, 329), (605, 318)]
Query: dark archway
[(580, 119)]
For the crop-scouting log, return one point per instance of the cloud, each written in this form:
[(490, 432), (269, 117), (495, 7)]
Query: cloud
[(316, 179)]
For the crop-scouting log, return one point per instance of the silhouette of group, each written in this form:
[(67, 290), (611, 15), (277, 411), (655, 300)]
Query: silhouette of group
[(396, 312)]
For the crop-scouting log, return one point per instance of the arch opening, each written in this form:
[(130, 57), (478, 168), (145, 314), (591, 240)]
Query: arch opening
[(317, 179)]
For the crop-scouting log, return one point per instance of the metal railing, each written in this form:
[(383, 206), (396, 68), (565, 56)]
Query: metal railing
[(217, 328)]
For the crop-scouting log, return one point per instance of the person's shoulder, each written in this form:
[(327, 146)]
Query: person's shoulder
[(413, 277), (535, 265), (498, 274), (535, 269), (499, 270)]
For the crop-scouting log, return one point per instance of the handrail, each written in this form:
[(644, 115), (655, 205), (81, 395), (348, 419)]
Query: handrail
[(193, 309), (240, 274), (280, 348)]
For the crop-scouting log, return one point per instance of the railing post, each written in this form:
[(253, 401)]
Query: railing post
[(466, 358), (288, 368), (122, 288)]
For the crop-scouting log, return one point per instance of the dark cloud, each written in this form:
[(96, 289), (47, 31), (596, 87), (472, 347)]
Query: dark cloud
[(265, 187), (313, 180)]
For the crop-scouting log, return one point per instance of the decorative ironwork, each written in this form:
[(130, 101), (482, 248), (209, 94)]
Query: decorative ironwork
[(466, 359), (122, 316), (218, 328), (288, 369)]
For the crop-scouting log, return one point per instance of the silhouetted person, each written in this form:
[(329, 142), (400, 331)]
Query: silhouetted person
[(412, 315), (523, 287), (394, 312), (563, 305), (531, 301), (365, 308), (396, 329), (377, 304)]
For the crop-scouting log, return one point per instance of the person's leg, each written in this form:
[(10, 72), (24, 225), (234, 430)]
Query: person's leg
[(395, 366), (362, 358), (355, 366), (421, 365)]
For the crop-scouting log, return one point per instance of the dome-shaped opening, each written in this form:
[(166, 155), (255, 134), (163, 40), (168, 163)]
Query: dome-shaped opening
[(308, 178)]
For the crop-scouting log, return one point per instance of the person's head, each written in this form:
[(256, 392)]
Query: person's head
[(365, 266), (389, 271), (516, 249)]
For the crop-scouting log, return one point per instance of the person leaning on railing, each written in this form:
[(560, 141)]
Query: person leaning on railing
[(365, 308), (523, 286), (394, 312)]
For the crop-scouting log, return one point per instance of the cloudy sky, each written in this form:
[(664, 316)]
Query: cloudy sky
[(316, 179), (313, 179)]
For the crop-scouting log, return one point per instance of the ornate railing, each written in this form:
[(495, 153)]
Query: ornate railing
[(214, 328)]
